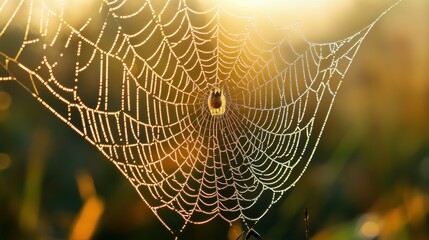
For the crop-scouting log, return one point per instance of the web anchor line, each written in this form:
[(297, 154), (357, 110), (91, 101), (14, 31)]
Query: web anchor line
[(250, 233)]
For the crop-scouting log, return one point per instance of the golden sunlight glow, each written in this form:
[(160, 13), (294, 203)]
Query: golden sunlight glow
[(76, 15), (317, 19)]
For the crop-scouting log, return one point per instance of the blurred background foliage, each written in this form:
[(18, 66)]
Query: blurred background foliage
[(369, 178)]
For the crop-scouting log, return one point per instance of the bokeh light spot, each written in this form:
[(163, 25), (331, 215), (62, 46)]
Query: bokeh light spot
[(5, 161), (5, 100), (369, 227)]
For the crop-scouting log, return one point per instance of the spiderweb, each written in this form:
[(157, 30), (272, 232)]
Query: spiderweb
[(140, 80)]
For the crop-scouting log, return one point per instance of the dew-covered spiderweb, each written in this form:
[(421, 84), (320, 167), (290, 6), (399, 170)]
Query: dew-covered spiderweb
[(207, 112)]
